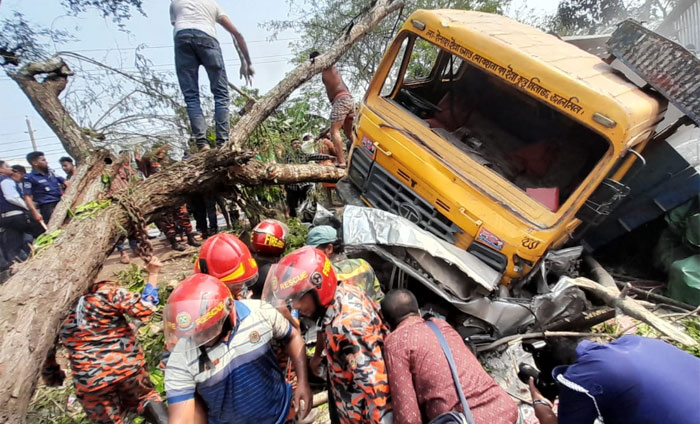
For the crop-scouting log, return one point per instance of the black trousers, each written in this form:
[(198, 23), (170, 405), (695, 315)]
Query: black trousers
[(13, 241), (203, 208), (295, 197), (46, 210)]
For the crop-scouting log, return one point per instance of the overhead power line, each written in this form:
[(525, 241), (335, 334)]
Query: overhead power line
[(165, 46)]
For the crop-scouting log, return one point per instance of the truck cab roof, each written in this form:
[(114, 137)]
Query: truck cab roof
[(569, 79)]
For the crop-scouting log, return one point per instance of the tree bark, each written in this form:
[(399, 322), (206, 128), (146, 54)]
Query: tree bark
[(615, 299), (33, 302), (262, 108), (44, 98), (85, 186), (62, 272)]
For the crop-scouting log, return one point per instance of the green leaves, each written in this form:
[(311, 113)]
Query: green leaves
[(297, 235)]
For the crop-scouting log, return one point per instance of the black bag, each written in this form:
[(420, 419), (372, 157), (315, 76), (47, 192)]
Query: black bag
[(452, 416)]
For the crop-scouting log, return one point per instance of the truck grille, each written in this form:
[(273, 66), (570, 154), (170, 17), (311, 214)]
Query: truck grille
[(384, 191)]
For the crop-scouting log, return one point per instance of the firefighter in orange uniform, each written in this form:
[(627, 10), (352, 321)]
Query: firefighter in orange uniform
[(354, 332), (108, 366)]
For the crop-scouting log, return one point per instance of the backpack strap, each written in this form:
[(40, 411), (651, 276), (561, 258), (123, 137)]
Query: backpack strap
[(453, 370)]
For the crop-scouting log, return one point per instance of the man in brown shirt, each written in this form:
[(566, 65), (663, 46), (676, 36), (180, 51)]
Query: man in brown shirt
[(419, 375)]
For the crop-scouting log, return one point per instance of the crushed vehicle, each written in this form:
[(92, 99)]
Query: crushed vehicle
[(505, 143)]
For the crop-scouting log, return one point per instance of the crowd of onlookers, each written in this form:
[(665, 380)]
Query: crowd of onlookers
[(27, 202), (29, 198)]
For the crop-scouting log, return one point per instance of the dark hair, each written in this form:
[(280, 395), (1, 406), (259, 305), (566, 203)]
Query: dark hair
[(563, 349), (2, 162), (338, 247), (65, 159), (398, 305), (31, 157), (314, 54), (19, 168)]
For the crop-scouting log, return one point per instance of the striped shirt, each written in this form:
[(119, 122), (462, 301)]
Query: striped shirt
[(246, 384)]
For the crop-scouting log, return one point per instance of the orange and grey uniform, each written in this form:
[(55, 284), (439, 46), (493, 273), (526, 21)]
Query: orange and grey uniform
[(166, 222), (108, 366), (354, 338)]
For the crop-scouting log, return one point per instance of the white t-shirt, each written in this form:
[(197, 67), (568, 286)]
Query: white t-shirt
[(195, 14)]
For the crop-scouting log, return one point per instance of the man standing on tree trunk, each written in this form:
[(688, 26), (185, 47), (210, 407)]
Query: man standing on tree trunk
[(194, 23), (343, 108)]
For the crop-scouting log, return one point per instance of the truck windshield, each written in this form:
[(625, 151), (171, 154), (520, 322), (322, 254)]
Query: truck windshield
[(535, 147)]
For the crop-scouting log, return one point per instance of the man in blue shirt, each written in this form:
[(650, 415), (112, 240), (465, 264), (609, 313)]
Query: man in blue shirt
[(42, 188), (634, 380), (222, 357)]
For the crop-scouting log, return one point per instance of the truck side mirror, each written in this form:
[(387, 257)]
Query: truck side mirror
[(603, 201)]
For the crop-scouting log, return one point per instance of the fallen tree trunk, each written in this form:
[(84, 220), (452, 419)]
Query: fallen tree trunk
[(33, 302), (85, 186), (31, 313), (615, 299)]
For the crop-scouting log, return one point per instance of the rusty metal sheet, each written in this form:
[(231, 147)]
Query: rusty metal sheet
[(667, 66)]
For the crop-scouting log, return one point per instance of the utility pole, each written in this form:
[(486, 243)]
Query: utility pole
[(31, 133)]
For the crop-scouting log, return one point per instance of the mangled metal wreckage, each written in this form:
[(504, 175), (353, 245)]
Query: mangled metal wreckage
[(455, 284)]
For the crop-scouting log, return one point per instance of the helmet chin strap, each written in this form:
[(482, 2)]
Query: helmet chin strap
[(205, 363), (320, 309)]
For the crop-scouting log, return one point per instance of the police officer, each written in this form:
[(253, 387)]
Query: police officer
[(42, 188), (14, 216)]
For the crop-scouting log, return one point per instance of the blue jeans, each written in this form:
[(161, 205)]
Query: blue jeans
[(192, 49)]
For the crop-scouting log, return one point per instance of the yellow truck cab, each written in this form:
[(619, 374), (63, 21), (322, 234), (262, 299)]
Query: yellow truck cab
[(494, 135)]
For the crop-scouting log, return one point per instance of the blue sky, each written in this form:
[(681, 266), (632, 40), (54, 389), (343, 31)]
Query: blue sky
[(102, 40)]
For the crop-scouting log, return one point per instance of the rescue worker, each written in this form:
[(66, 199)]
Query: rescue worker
[(353, 328), (150, 164), (14, 216), (222, 355), (225, 257), (356, 271), (67, 166), (108, 366), (342, 108), (42, 188), (268, 241)]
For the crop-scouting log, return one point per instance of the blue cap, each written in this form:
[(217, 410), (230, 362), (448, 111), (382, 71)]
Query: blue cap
[(322, 234)]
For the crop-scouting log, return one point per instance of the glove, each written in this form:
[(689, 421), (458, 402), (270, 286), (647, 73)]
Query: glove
[(150, 294)]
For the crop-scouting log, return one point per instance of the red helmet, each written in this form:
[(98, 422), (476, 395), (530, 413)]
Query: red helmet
[(197, 309), (269, 237), (227, 258), (301, 271)]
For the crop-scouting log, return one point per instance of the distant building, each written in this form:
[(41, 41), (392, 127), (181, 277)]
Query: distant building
[(683, 24)]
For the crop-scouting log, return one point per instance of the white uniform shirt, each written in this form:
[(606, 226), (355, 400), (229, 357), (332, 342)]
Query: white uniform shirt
[(195, 14)]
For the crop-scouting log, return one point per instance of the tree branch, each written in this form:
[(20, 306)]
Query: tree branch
[(304, 72), (63, 271)]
